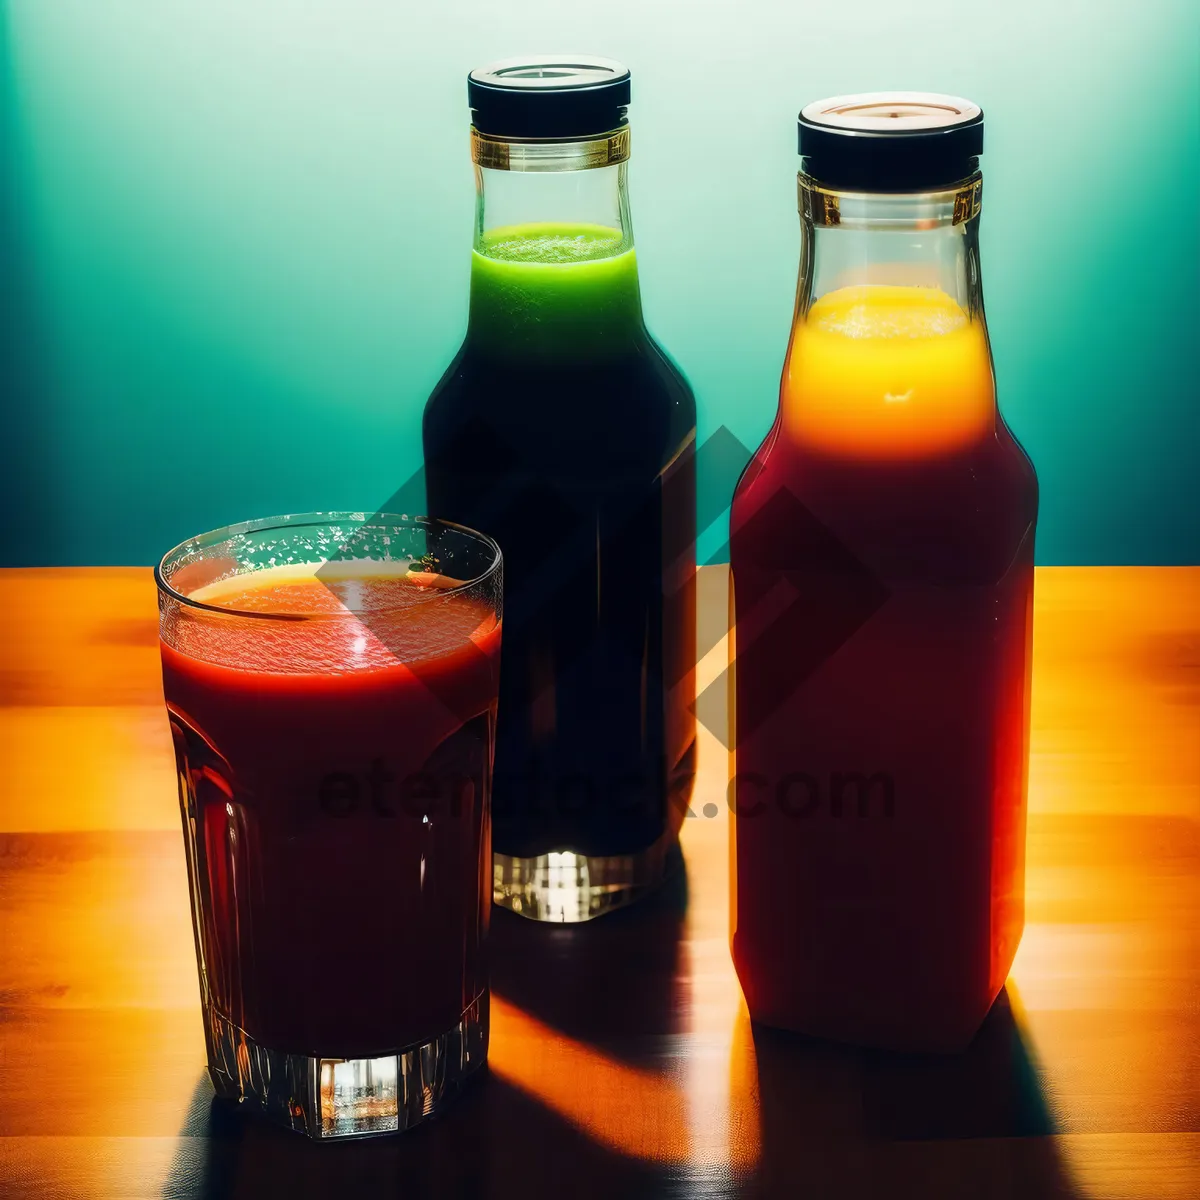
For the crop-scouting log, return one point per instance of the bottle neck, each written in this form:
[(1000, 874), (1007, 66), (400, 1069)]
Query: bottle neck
[(889, 355), (926, 240), (554, 273)]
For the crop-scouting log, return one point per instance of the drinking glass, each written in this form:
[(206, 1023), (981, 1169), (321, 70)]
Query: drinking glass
[(331, 684)]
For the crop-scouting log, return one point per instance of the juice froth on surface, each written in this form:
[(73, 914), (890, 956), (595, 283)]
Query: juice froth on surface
[(380, 614), (882, 371), (552, 243), (555, 291), (312, 589)]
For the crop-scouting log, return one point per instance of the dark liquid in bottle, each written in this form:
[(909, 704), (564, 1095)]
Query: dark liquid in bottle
[(563, 431)]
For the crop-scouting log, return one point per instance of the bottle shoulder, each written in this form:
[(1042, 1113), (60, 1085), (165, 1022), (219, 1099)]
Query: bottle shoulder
[(584, 414), (672, 373), (995, 461), (1019, 462), (964, 516), (639, 382)]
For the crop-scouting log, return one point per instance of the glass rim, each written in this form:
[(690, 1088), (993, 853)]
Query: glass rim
[(302, 520)]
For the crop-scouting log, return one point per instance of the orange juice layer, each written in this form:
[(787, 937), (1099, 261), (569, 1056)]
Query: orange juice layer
[(879, 371)]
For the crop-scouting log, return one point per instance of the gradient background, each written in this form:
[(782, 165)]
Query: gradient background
[(235, 238)]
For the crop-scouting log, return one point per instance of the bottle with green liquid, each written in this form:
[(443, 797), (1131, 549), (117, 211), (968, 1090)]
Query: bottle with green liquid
[(563, 430)]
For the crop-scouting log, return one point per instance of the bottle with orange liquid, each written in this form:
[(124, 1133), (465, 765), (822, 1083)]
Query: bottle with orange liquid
[(882, 583)]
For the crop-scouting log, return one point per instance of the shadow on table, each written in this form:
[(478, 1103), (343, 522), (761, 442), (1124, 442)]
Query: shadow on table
[(845, 1122), (494, 1142), (612, 983)]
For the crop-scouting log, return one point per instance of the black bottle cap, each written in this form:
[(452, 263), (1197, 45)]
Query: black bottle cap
[(565, 96), (891, 141)]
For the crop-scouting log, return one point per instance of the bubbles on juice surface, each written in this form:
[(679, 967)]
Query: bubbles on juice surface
[(554, 245), (364, 615), (885, 311), (889, 371), (364, 585)]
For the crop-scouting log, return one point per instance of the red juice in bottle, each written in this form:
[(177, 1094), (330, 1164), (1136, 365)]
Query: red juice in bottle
[(882, 577)]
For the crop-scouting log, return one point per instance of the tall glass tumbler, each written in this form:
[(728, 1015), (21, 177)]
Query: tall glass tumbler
[(331, 684)]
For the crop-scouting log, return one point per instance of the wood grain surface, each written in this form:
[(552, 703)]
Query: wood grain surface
[(623, 1063)]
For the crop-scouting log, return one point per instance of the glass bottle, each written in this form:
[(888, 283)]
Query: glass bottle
[(563, 429), (882, 583)]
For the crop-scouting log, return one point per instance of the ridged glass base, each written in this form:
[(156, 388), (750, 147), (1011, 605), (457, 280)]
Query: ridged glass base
[(568, 887), (347, 1098)]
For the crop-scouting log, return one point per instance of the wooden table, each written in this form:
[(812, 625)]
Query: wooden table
[(622, 1063)]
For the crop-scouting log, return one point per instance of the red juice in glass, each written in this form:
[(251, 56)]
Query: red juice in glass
[(331, 687)]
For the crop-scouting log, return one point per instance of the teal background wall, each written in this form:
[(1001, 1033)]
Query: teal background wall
[(234, 240)]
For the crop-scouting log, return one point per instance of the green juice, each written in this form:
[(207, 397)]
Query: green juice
[(555, 290)]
